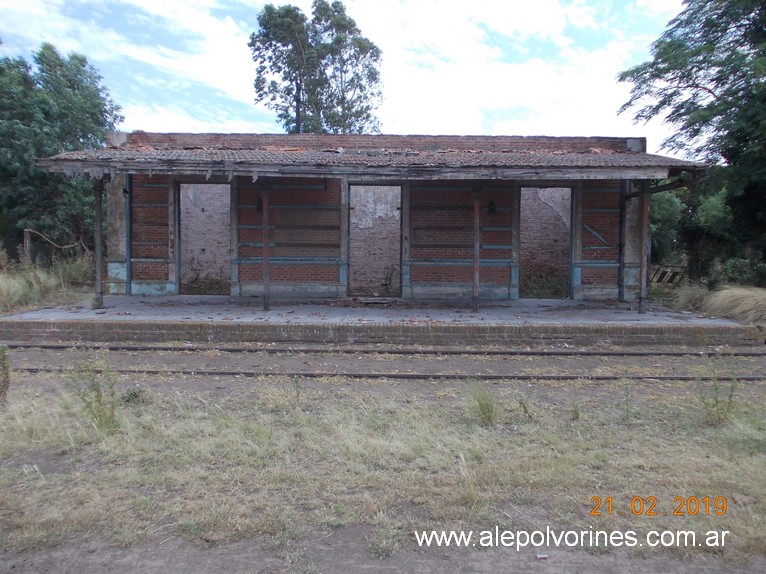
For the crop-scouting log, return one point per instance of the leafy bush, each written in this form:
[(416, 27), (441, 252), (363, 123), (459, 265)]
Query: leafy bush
[(738, 270), (664, 219)]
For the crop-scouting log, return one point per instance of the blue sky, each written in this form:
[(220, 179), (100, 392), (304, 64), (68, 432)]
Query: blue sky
[(517, 67)]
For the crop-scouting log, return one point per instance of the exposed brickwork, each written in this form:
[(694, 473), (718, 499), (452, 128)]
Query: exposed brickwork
[(599, 276), (375, 241), (441, 229), (253, 272), (402, 332), (545, 231), (150, 236), (205, 231), (146, 271), (304, 227), (305, 232)]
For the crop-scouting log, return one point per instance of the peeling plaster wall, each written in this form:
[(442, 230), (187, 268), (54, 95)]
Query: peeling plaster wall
[(116, 237), (375, 242), (205, 235)]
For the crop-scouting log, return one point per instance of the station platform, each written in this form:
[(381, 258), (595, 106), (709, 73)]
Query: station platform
[(223, 319)]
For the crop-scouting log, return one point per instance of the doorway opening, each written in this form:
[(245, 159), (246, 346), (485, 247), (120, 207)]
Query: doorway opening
[(375, 241), (545, 242), (205, 239)]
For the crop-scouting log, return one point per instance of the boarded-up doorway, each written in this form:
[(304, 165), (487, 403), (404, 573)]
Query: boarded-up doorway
[(205, 239), (375, 239), (545, 242)]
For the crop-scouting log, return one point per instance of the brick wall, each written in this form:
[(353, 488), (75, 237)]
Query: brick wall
[(600, 238), (150, 234), (303, 234), (545, 225), (205, 233), (441, 235), (375, 241)]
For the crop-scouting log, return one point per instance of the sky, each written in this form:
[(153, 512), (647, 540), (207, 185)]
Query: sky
[(479, 67)]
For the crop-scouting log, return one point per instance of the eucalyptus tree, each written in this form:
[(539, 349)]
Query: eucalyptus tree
[(319, 75)]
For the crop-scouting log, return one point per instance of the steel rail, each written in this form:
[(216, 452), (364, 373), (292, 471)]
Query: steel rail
[(389, 351), (405, 376)]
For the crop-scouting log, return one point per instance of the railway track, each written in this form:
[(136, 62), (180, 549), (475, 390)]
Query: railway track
[(387, 349), (400, 363)]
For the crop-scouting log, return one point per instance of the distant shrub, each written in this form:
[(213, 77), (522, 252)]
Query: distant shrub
[(739, 271)]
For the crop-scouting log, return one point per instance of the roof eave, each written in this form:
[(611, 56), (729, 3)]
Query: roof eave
[(98, 169)]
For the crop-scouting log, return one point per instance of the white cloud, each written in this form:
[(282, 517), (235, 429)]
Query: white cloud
[(172, 118), (442, 70), (669, 8)]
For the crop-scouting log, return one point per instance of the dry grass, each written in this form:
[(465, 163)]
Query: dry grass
[(746, 304), (276, 459), (691, 297), (27, 285)]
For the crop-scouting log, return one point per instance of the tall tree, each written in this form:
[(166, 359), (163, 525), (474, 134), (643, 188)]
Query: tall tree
[(58, 104), (707, 77), (319, 75)]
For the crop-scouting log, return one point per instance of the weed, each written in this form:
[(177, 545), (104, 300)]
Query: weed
[(522, 400), (134, 397), (215, 466), (576, 413), (747, 304), (484, 405), (93, 383), (386, 537), (197, 281), (628, 403), (545, 284), (717, 398), (26, 284), (5, 374), (74, 271), (470, 483), (297, 386)]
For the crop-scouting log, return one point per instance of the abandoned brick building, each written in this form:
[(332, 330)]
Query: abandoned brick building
[(416, 217)]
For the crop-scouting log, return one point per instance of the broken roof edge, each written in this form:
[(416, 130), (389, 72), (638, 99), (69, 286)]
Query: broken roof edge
[(97, 170), (214, 140), (378, 156)]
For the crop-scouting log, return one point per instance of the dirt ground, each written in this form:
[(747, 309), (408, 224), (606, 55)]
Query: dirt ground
[(343, 550), (347, 548)]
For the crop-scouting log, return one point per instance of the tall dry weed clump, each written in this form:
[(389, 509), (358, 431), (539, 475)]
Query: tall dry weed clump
[(25, 286), (24, 283), (691, 297), (5, 374), (746, 304)]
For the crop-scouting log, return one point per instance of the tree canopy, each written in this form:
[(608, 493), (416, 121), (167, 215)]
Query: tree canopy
[(58, 104), (707, 77), (319, 75)]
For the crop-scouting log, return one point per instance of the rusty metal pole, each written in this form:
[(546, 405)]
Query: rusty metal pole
[(476, 249), (265, 251)]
